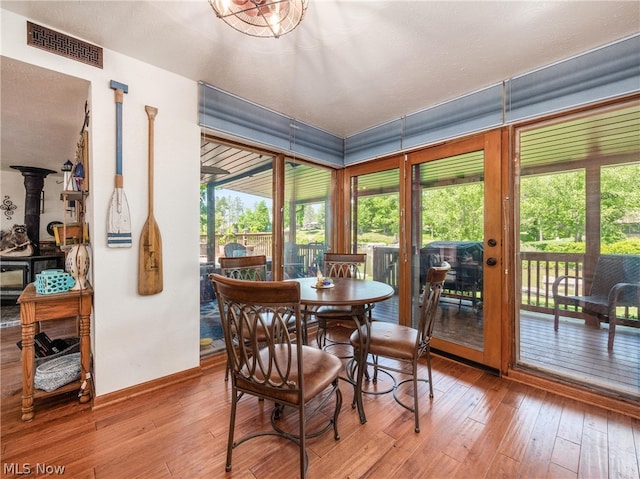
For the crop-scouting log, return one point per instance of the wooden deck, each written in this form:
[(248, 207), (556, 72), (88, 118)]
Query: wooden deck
[(579, 352), (576, 352)]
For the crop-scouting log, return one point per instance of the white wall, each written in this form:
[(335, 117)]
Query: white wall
[(137, 338)]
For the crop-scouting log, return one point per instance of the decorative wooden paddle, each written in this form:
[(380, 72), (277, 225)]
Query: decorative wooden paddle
[(150, 252), (118, 219)]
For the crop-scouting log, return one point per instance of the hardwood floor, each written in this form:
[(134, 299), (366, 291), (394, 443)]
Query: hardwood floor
[(477, 425)]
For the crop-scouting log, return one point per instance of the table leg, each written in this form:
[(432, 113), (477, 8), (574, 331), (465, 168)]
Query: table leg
[(305, 323), (363, 326), (85, 348), (28, 333)]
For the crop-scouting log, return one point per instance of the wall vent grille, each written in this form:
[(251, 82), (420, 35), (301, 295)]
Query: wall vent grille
[(61, 44)]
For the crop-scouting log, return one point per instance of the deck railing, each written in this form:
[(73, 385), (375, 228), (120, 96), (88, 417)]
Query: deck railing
[(256, 243), (540, 270)]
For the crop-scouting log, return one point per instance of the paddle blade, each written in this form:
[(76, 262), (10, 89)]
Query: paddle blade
[(119, 221), (150, 259)]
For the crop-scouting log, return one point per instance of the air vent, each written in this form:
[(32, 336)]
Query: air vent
[(61, 44)]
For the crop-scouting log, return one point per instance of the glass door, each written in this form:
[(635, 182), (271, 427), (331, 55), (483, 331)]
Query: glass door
[(375, 229), (456, 217), (578, 244)]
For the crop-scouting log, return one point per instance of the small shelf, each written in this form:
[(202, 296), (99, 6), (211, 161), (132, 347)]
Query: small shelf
[(74, 195), (71, 387)]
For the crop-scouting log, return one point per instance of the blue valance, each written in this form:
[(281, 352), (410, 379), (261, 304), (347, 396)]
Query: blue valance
[(229, 114), (607, 72)]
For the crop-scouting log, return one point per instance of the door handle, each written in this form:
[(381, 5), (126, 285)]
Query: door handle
[(492, 261)]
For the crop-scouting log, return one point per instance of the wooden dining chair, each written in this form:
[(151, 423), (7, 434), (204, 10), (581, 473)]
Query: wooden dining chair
[(253, 268), (340, 265), (404, 344), (250, 268), (269, 364)]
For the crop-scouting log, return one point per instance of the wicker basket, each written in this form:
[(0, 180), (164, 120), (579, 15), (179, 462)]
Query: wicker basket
[(53, 374), (52, 281)]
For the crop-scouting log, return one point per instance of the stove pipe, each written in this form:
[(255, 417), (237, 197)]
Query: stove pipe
[(33, 184)]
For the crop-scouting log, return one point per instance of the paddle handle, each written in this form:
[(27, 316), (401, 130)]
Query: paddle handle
[(120, 90), (151, 113)]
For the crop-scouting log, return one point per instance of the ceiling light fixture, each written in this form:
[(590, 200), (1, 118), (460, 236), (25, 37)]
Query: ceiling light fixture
[(261, 18)]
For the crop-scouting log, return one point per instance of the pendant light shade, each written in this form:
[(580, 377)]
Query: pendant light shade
[(261, 18)]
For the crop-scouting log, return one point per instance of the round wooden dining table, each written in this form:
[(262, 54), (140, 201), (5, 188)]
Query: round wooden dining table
[(360, 294)]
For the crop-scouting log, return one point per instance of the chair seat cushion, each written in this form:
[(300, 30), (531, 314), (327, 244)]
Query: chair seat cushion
[(320, 370), (388, 339), (336, 311)]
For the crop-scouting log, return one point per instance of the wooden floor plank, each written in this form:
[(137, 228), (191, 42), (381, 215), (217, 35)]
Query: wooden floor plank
[(502, 467), (594, 454), (622, 451), (516, 439), (535, 462), (482, 451), (566, 454)]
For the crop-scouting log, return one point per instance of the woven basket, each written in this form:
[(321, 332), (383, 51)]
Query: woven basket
[(53, 374), (52, 281)]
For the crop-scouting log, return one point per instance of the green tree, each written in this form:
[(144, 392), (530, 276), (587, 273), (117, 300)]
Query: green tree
[(203, 209), (619, 200), (227, 213), (552, 206), (257, 220), (459, 213), (379, 214)]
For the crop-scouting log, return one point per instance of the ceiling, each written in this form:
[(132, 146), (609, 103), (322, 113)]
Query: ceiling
[(349, 66)]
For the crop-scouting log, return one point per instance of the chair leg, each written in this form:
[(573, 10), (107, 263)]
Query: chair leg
[(336, 413), (375, 369), (556, 316), (303, 468), (612, 331), (362, 366), (232, 424), (428, 353), (416, 414)]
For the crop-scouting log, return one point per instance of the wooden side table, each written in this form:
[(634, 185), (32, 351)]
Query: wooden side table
[(35, 308)]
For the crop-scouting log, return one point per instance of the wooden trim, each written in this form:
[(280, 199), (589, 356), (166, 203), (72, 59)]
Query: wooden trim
[(146, 387), (493, 276), (451, 148), (213, 360), (592, 397), (277, 252), (509, 235), (406, 238), (342, 219)]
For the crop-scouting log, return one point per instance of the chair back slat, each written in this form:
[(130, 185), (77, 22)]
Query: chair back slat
[(345, 265), (251, 268)]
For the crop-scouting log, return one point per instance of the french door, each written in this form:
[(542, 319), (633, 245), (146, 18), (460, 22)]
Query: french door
[(442, 203), (456, 214)]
